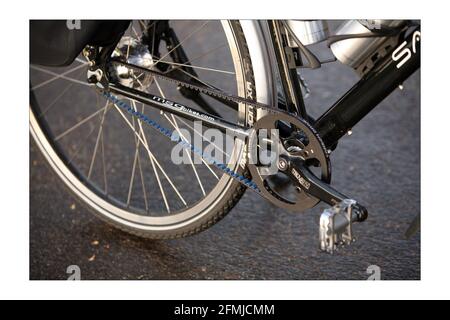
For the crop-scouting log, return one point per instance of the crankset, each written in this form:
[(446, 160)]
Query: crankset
[(301, 154), (298, 147)]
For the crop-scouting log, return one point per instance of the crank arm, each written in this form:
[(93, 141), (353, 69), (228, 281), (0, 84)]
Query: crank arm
[(315, 187), (181, 110), (336, 222)]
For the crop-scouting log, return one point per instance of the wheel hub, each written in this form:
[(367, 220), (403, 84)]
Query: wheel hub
[(134, 52)]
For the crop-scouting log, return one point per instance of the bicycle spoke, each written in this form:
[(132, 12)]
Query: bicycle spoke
[(133, 170), (77, 150), (203, 137), (181, 42), (201, 81), (56, 99), (143, 25), (134, 31), (196, 58), (59, 76), (105, 182), (198, 67), (152, 161), (151, 155), (78, 124), (182, 136), (137, 161), (142, 181), (203, 160), (140, 168), (156, 161), (175, 126), (153, 38), (97, 141)]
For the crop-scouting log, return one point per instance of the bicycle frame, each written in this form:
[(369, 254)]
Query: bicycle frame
[(363, 97), (397, 66)]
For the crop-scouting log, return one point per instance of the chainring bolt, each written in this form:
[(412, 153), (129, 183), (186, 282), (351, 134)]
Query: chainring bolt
[(282, 164)]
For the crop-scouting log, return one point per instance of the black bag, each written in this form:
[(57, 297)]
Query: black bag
[(59, 42)]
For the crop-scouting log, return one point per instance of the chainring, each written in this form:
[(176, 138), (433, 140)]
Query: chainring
[(313, 153)]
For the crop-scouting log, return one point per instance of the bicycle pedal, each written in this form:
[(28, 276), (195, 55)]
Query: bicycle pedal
[(336, 222)]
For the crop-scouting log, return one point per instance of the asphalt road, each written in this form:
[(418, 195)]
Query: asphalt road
[(379, 165)]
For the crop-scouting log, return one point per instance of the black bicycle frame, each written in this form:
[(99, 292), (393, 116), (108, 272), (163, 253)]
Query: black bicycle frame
[(365, 95), (397, 66)]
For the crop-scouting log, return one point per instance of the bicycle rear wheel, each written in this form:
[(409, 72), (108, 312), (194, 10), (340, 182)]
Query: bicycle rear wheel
[(94, 148)]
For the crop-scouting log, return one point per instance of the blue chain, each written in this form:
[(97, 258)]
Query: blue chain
[(174, 136)]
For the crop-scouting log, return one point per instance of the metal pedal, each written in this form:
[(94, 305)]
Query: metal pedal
[(336, 225)]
